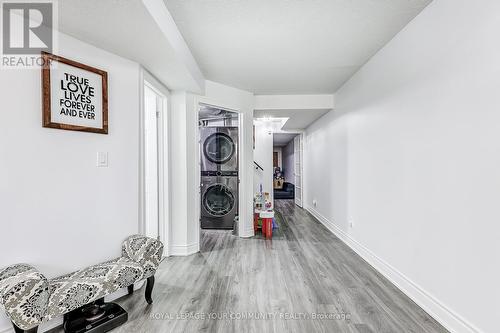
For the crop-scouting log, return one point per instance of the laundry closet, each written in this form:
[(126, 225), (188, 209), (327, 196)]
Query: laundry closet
[(219, 184)]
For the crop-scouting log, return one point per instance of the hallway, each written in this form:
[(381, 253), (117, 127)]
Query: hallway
[(304, 270)]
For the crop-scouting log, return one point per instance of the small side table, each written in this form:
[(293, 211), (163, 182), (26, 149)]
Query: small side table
[(267, 222)]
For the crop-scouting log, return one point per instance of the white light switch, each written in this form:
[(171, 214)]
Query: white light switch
[(102, 159)]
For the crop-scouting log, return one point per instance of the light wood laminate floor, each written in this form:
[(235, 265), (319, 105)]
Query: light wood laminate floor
[(304, 271)]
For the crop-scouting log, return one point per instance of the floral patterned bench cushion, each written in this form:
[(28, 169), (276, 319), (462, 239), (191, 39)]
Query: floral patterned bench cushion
[(144, 250), (69, 292), (29, 299), (24, 294)]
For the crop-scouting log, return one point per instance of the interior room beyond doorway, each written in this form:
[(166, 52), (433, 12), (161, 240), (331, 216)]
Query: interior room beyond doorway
[(286, 166)]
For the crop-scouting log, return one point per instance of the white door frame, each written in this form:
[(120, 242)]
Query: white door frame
[(301, 134), (300, 150), (302, 166), (163, 159), (241, 169)]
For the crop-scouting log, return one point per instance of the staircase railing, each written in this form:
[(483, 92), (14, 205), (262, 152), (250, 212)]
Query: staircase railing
[(257, 166)]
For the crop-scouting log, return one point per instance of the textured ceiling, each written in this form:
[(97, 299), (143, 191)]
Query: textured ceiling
[(282, 139), (288, 46)]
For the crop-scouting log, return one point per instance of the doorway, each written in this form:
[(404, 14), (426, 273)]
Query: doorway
[(297, 172), (219, 165), (154, 157), (287, 166)]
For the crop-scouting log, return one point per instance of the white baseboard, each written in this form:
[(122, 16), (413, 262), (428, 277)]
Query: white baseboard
[(444, 315), (247, 233), (184, 250)]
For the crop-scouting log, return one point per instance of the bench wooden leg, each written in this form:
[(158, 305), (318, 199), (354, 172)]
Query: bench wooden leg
[(18, 330), (149, 289), (130, 289)]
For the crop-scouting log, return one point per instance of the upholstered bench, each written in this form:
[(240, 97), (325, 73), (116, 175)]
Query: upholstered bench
[(29, 298)]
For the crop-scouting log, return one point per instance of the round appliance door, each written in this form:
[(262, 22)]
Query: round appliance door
[(219, 148), (218, 200)]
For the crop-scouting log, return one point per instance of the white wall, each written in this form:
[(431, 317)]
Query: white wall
[(185, 176), (263, 155), (411, 157), (59, 211)]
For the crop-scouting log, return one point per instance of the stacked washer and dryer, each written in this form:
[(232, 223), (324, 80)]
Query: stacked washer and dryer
[(219, 176)]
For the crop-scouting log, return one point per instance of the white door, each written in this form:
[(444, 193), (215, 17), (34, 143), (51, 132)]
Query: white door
[(152, 106), (297, 156)]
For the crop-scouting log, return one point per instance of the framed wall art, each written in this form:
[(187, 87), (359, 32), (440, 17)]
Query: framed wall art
[(75, 96)]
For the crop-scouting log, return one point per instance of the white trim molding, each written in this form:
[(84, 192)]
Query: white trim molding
[(184, 250), (164, 179), (444, 315), (247, 232)]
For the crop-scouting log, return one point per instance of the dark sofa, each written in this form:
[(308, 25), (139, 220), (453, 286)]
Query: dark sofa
[(287, 192)]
